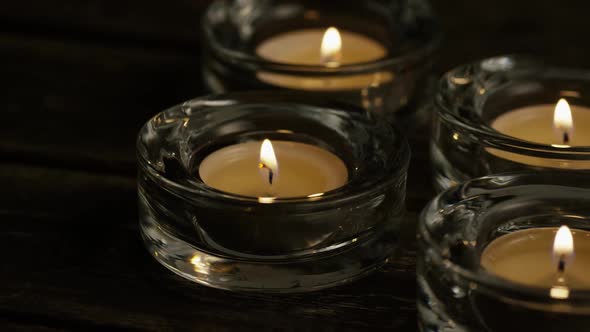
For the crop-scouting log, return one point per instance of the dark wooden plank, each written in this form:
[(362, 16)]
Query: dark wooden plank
[(109, 280), (60, 196), (27, 327), (473, 30), (173, 24), (73, 258), (81, 105), (552, 31)]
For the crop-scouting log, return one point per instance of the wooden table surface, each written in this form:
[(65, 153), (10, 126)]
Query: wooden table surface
[(78, 80)]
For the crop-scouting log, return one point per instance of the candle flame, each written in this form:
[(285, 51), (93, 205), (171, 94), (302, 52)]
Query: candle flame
[(331, 50), (563, 122), (563, 245), (269, 167)]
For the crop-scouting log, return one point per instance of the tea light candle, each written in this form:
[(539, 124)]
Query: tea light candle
[(316, 47), (558, 126), (280, 169), (558, 259)]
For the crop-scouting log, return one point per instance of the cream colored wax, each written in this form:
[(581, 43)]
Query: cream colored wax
[(535, 124), (303, 170), (303, 47), (526, 257)]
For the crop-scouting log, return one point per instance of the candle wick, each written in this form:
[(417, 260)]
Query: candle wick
[(561, 264), (270, 172), (566, 138), (270, 176)]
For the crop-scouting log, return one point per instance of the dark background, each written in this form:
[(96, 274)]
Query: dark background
[(79, 77)]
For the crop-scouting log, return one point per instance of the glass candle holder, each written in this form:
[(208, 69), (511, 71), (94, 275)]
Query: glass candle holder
[(382, 59), (269, 244), (503, 219), (498, 115)]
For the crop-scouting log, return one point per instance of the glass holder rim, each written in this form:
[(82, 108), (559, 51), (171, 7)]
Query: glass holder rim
[(244, 59), (492, 137), (333, 198), (481, 278)]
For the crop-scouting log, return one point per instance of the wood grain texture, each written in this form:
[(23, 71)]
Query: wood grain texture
[(73, 260), (81, 77)]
